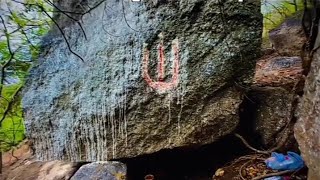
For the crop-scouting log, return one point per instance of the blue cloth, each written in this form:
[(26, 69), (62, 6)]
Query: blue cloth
[(291, 161), (274, 178)]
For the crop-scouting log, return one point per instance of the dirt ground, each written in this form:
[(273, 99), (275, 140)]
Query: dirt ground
[(252, 167), (249, 167), (21, 155)]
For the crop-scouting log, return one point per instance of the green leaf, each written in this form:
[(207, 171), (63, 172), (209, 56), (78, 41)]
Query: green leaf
[(21, 22)]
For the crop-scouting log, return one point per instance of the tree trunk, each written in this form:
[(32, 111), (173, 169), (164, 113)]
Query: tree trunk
[(0, 162)]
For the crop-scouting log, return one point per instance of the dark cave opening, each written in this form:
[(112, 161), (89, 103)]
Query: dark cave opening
[(196, 163), (248, 116)]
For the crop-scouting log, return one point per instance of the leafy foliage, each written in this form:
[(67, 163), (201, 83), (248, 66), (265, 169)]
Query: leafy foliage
[(22, 24), (21, 27), (276, 12), (12, 128)]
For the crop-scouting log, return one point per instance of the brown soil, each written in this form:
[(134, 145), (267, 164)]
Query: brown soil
[(252, 166), (20, 155)]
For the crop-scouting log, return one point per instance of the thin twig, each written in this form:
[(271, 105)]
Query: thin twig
[(295, 172), (125, 18), (9, 106), (274, 23), (285, 131), (95, 6), (241, 168), (21, 30), (103, 25), (55, 22), (276, 8), (3, 67), (12, 155), (27, 38), (63, 35), (249, 146), (70, 17)]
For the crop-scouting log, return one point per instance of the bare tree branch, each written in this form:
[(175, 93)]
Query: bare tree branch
[(250, 147), (94, 7), (56, 23), (125, 18), (75, 20), (4, 66), (9, 106), (63, 35), (276, 8)]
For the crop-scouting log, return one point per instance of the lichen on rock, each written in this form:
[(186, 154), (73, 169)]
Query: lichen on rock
[(103, 108), (307, 128)]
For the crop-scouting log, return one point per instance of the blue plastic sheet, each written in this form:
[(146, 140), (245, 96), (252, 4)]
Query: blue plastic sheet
[(274, 178), (291, 161)]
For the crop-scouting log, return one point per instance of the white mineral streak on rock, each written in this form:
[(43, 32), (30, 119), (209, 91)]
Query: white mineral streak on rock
[(95, 121)]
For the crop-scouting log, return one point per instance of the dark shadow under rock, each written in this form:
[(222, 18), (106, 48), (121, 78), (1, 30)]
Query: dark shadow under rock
[(194, 163)]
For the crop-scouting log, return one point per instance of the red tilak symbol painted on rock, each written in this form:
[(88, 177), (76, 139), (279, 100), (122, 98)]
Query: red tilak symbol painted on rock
[(160, 84)]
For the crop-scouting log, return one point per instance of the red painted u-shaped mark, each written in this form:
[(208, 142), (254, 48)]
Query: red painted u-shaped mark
[(160, 84)]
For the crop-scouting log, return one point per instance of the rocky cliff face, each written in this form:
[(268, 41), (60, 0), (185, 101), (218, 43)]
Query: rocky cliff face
[(307, 129), (272, 98), (156, 75)]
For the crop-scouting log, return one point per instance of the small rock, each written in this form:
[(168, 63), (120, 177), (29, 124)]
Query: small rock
[(219, 172), (149, 177), (101, 171)]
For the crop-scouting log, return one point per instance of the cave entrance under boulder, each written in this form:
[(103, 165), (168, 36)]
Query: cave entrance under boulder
[(192, 163)]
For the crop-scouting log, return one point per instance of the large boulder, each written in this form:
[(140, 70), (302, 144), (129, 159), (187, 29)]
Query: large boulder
[(307, 128), (278, 71), (272, 98), (120, 102), (288, 38), (268, 109)]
